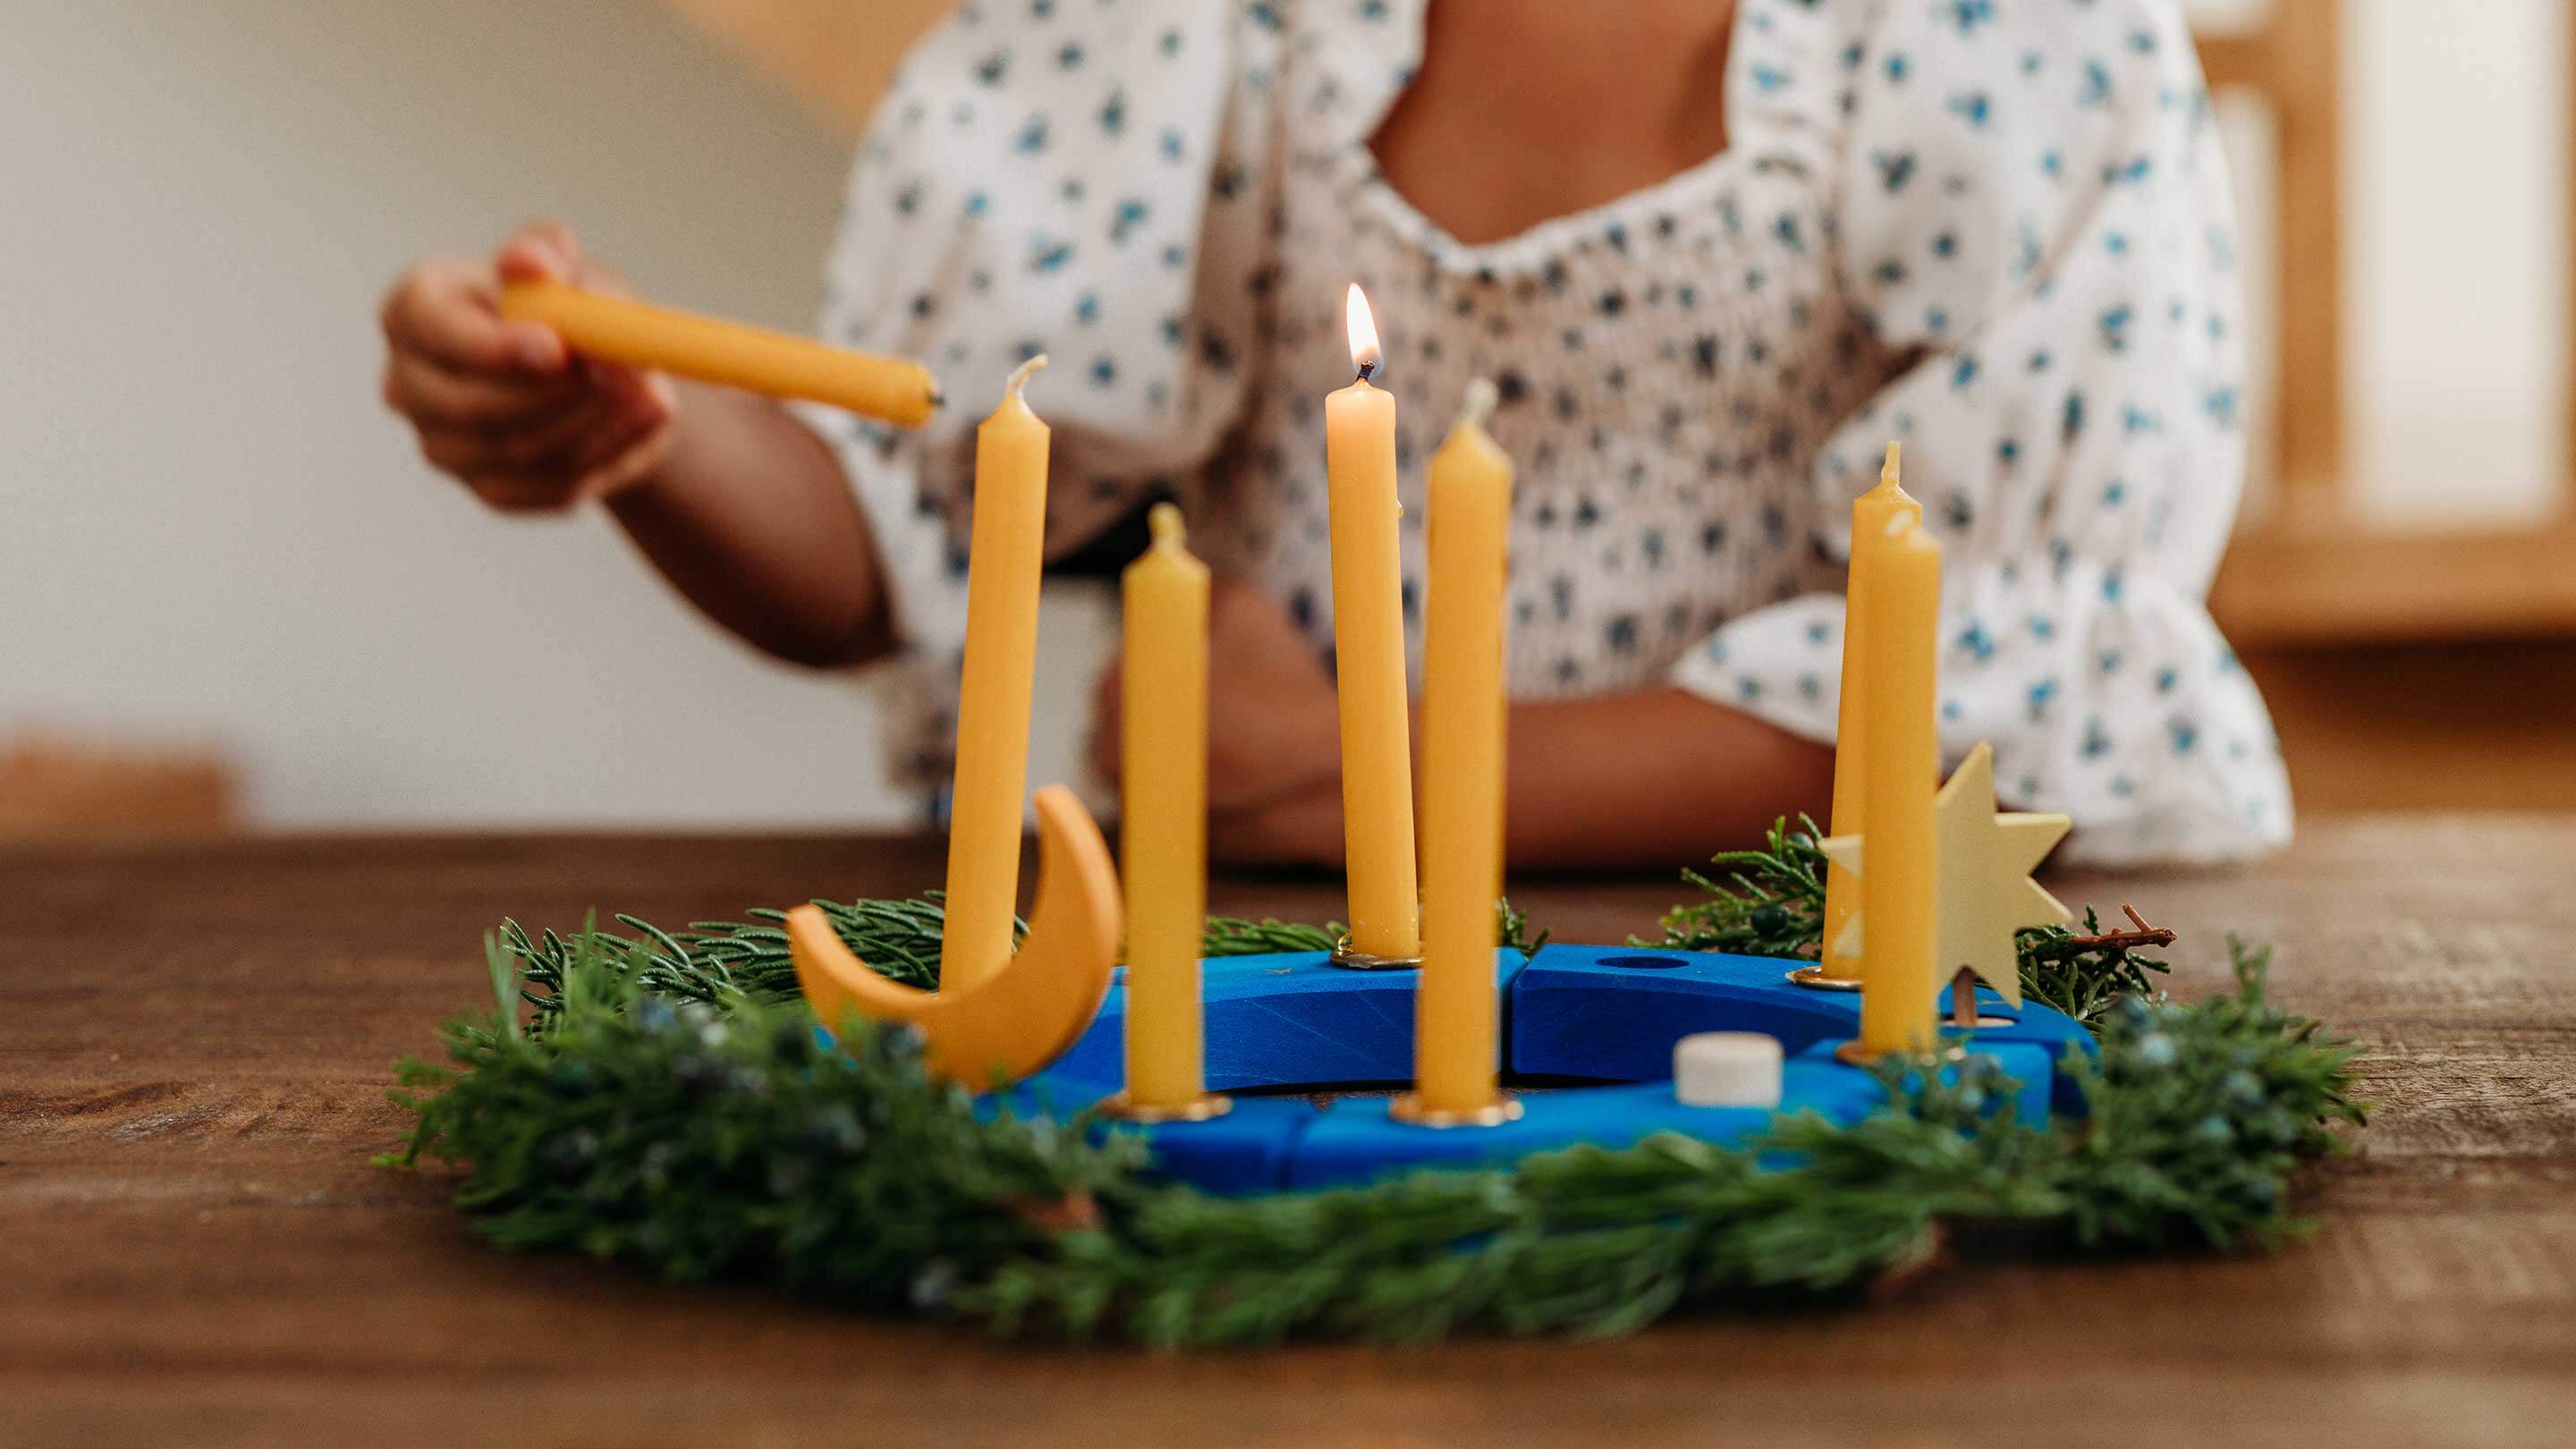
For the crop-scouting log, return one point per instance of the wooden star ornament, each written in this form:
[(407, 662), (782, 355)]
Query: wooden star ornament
[(1985, 865)]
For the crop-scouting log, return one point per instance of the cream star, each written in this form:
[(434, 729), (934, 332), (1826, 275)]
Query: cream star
[(1844, 850), (1985, 861)]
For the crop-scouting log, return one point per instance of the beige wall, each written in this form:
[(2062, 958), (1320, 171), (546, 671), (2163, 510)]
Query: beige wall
[(208, 526), (2455, 230)]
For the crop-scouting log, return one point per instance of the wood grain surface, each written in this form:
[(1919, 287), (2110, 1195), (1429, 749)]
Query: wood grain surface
[(194, 1042)]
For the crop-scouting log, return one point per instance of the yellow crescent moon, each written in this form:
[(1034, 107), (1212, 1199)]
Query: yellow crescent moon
[(1025, 1014)]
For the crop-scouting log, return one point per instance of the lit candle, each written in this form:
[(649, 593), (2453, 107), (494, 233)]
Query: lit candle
[(1871, 515), (1368, 643), (1455, 1015), (1005, 553), (1896, 603), (615, 329), (1163, 840)]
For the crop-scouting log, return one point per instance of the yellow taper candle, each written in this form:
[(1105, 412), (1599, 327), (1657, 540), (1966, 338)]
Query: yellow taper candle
[(1871, 513), (1456, 1018), (1897, 604), (712, 350), (1368, 645), (1005, 552), (1163, 681)]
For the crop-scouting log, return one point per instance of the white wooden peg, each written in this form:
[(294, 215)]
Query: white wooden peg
[(1727, 1069)]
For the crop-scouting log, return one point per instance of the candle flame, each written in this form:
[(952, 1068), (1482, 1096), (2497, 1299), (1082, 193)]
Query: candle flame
[(1365, 355)]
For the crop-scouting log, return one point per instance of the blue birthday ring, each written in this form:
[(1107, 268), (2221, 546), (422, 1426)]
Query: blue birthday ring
[(1587, 1044)]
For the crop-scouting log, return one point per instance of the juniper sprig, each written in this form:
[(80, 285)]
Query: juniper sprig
[(1772, 903), (709, 1138), (721, 962)]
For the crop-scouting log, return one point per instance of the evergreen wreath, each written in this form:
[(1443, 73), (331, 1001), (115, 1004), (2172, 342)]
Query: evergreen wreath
[(665, 1098)]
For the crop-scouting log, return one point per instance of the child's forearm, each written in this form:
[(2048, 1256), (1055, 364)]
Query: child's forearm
[(1651, 778), (750, 516)]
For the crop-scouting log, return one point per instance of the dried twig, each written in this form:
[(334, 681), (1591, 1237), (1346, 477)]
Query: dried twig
[(2144, 936)]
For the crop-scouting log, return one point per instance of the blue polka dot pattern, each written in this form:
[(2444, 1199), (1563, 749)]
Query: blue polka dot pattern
[(1996, 230)]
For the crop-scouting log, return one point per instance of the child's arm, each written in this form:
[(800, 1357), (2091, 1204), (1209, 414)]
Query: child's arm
[(1645, 778), (790, 565), (1651, 778), (741, 507)]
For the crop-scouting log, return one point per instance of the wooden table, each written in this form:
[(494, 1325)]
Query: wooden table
[(194, 1044)]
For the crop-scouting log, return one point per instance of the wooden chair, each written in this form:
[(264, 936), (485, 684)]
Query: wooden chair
[(2304, 570), (2429, 670)]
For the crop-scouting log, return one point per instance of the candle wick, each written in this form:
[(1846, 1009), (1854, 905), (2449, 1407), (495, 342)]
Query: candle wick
[(1164, 523), (938, 394), (1888, 472), (1482, 398), (1366, 369), (1020, 375)]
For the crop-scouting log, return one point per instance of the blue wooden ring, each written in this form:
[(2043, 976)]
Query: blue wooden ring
[(1595, 1025)]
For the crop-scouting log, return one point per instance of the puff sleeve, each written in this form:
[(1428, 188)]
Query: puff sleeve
[(1073, 179), (2035, 218)]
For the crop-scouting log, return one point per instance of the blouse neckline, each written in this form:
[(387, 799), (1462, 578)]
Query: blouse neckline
[(1531, 248)]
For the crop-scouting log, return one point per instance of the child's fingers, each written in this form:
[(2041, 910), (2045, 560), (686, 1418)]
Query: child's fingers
[(546, 251), (434, 397), (558, 446), (449, 313), (634, 409), (518, 495), (627, 425), (575, 458), (640, 456), (543, 449), (646, 391), (543, 251)]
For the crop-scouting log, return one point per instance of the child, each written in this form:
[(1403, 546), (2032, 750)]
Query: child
[(1714, 255)]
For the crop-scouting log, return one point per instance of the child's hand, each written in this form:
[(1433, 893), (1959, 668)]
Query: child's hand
[(501, 405), (1274, 728)]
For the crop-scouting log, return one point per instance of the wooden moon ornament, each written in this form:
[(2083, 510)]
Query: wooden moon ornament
[(1031, 1008)]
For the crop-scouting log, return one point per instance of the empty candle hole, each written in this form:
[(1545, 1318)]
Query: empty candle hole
[(1644, 963)]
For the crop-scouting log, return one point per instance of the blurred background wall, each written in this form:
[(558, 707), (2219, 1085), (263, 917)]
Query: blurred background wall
[(213, 537), (227, 582)]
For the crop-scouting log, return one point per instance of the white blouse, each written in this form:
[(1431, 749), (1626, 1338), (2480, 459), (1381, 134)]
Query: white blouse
[(1996, 231)]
